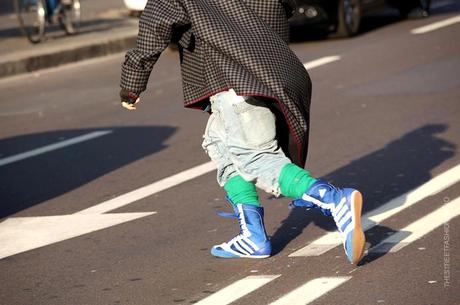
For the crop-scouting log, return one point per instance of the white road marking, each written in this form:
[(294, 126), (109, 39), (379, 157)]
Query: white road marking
[(419, 228), (321, 61), (436, 25), (238, 289), (150, 189), (20, 234), (55, 146), (311, 291), (394, 206)]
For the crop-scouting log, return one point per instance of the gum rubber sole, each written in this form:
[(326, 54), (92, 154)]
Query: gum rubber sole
[(359, 240)]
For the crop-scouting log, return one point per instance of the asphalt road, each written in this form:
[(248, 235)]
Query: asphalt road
[(385, 119)]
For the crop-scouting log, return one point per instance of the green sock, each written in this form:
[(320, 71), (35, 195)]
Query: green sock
[(241, 191), (294, 181)]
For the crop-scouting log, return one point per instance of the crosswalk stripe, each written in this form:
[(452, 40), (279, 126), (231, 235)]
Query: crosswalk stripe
[(150, 189), (238, 289), (394, 206), (436, 25), (311, 291), (321, 61), (20, 234), (51, 147), (419, 228)]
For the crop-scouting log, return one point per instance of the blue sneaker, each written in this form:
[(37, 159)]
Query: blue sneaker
[(345, 206), (252, 242)]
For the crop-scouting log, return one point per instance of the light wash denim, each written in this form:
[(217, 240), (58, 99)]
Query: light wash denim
[(240, 138)]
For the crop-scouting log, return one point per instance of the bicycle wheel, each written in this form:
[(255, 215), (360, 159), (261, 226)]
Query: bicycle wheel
[(31, 15), (69, 17)]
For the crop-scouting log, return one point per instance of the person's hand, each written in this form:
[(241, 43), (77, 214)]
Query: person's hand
[(129, 99)]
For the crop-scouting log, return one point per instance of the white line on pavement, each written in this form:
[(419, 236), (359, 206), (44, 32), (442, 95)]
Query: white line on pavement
[(311, 290), (51, 147), (419, 228), (436, 25), (150, 189), (321, 61), (20, 234), (372, 218), (237, 290)]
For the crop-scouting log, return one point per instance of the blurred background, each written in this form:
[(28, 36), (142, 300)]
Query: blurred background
[(71, 30)]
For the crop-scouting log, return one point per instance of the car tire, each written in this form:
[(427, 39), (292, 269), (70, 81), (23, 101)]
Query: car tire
[(348, 18)]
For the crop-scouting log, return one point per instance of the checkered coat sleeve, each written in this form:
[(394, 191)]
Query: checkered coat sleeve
[(239, 44)]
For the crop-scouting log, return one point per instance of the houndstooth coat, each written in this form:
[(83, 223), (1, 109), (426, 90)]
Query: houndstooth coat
[(223, 44)]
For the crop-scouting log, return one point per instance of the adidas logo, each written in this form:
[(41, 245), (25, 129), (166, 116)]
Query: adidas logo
[(322, 192)]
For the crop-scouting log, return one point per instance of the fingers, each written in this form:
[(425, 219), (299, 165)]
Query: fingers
[(130, 106)]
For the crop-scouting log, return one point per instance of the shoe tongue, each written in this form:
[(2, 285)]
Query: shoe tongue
[(243, 220)]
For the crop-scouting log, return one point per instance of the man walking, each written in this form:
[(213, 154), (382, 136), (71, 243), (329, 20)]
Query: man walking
[(236, 65)]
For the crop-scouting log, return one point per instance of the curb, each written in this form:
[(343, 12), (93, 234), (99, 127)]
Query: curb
[(75, 50)]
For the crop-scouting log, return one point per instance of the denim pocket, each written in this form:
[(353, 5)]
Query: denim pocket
[(257, 122)]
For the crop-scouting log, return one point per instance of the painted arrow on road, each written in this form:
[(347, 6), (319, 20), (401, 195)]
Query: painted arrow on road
[(20, 234)]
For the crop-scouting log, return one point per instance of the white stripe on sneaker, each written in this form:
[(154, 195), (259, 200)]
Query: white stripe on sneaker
[(342, 212), (324, 205), (349, 228), (243, 243), (340, 208), (252, 244), (343, 220), (236, 244), (226, 247)]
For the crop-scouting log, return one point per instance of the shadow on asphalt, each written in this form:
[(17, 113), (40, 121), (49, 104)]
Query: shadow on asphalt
[(37, 179), (379, 233), (11, 32), (397, 168)]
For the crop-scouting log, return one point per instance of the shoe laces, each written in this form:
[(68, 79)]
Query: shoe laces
[(236, 215)]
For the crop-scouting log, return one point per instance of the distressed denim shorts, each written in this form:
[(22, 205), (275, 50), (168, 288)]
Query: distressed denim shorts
[(240, 137)]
